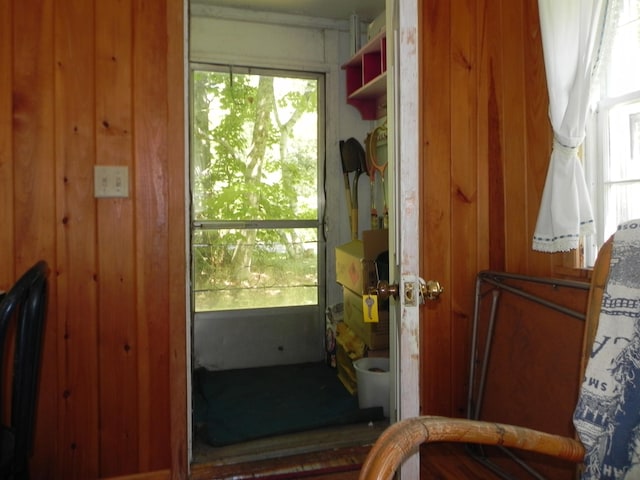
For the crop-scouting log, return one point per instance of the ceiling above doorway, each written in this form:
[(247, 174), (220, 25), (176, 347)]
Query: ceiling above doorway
[(367, 10)]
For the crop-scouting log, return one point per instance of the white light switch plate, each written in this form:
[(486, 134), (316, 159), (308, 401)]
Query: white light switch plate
[(110, 181)]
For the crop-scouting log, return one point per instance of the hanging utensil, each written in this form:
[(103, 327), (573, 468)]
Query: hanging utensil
[(380, 165), (370, 144), (353, 158)]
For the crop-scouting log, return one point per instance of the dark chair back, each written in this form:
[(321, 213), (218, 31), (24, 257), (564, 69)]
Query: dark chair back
[(23, 310)]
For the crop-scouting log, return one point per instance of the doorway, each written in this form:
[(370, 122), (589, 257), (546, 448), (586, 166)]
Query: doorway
[(314, 51), (257, 246)]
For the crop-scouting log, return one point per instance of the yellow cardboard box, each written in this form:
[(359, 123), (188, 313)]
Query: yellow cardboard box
[(355, 261), (333, 316), (352, 345), (348, 348), (374, 335), (346, 370)]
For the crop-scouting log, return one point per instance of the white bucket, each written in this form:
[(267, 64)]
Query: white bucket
[(372, 375)]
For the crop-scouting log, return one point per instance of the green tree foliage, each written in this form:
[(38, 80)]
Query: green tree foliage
[(249, 164)]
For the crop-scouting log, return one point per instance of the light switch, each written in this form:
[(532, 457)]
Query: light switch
[(110, 181)]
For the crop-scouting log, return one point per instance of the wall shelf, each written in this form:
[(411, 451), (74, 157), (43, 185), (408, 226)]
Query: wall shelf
[(366, 75)]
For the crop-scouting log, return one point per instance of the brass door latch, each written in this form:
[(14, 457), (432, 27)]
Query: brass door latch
[(428, 290)]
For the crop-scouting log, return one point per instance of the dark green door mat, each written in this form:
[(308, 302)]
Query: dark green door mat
[(232, 406)]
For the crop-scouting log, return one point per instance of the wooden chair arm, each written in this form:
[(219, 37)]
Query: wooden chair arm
[(403, 438)]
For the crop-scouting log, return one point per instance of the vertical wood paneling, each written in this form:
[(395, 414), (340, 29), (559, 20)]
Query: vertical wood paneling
[(482, 127), (33, 132), (534, 369), (33, 151), (516, 185), (76, 239), (100, 83), (464, 184), (176, 122), (435, 362), (117, 279), (486, 145), (6, 145), (491, 139), (132, 416), (152, 222)]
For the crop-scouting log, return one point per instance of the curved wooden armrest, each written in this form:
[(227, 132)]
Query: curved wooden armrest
[(401, 439)]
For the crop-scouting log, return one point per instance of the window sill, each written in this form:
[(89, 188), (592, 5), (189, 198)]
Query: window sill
[(573, 273), (565, 266)]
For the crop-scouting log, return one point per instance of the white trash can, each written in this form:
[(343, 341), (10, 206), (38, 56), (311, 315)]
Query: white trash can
[(372, 375)]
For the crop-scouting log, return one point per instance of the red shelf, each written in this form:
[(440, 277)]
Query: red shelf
[(367, 78)]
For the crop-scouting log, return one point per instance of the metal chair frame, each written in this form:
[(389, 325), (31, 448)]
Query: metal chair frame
[(402, 439), (22, 317)]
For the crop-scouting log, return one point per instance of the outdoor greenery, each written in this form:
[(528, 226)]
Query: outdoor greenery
[(254, 159)]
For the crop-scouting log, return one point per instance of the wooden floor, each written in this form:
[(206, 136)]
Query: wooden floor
[(328, 454), (303, 443), (443, 462), (334, 450)]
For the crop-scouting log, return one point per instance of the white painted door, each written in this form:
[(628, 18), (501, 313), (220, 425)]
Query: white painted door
[(402, 16)]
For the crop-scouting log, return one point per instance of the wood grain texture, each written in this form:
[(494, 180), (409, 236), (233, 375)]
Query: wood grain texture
[(76, 240), (118, 347), (176, 282), (485, 140), (116, 333), (441, 461), (34, 187), (6, 146), (464, 185), (491, 139), (533, 374), (81, 91), (156, 475), (309, 465), (435, 361), (152, 230), (437, 461), (514, 119), (403, 438)]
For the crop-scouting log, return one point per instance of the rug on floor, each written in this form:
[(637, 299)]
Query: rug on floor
[(246, 404)]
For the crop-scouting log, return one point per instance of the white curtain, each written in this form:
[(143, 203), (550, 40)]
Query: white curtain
[(572, 41)]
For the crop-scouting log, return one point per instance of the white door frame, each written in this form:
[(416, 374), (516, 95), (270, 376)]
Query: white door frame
[(402, 15)]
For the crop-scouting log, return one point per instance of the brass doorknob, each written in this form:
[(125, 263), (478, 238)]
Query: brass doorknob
[(432, 289), (384, 290), (429, 290)]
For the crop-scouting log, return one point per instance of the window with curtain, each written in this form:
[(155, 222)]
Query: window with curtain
[(612, 147)]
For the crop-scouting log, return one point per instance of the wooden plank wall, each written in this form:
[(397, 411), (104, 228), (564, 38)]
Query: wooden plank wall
[(91, 82), (486, 143), (85, 83)]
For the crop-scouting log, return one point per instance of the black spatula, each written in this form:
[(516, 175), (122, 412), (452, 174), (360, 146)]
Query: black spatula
[(353, 160)]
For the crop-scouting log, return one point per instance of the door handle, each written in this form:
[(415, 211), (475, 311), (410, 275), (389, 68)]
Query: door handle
[(429, 290), (384, 290)]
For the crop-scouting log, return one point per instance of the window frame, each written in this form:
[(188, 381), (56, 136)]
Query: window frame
[(317, 223), (597, 154)]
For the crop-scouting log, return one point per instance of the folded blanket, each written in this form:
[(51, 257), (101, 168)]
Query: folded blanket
[(607, 417)]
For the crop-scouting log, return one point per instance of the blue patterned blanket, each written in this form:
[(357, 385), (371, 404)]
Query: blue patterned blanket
[(607, 417)]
